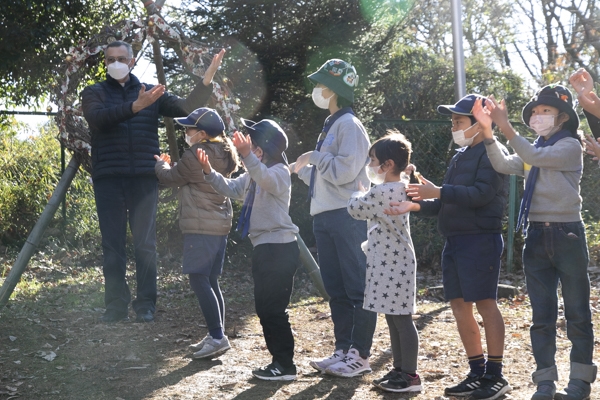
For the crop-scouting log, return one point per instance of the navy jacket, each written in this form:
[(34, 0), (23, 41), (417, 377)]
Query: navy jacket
[(124, 143), (473, 195)]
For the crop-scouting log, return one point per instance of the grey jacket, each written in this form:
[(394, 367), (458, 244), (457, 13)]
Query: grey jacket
[(556, 193), (340, 165), (270, 220)]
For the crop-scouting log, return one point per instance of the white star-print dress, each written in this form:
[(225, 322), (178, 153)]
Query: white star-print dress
[(391, 262)]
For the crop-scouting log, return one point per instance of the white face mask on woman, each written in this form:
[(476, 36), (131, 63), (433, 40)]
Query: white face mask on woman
[(543, 125), (460, 139), (118, 70), (319, 100)]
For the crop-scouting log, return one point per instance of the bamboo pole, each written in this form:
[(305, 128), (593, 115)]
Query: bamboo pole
[(34, 238), (311, 266)]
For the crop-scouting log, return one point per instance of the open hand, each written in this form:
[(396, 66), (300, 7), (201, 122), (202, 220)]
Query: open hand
[(163, 157), (592, 147), (147, 98), (302, 161), (582, 81), (482, 115), (399, 207), (210, 72), (203, 160), (243, 143), (426, 190)]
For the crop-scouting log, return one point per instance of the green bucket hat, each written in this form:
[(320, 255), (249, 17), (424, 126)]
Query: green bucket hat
[(339, 76)]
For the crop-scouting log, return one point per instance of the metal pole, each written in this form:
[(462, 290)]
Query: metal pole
[(459, 56), (34, 238)]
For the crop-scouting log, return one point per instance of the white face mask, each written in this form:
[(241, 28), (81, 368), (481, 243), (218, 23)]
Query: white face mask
[(118, 70), (460, 139), (188, 139), (543, 125), (319, 100), (375, 177)]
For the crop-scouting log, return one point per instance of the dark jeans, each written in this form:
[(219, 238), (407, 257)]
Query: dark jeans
[(120, 200), (273, 269), (343, 267), (556, 252)]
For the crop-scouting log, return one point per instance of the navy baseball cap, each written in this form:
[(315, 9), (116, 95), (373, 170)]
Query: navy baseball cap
[(463, 107), (269, 136), (205, 119)]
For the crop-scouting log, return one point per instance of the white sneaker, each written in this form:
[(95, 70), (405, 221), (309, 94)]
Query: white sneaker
[(213, 348), (350, 366), (197, 346), (323, 363)]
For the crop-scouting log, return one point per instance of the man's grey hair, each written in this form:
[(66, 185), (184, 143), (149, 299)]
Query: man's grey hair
[(119, 43)]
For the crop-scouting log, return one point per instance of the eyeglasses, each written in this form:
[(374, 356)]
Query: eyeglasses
[(124, 60)]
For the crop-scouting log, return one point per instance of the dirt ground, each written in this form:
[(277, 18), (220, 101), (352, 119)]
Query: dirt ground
[(52, 346)]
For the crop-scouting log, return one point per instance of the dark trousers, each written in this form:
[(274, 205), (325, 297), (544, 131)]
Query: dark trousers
[(120, 200), (273, 269)]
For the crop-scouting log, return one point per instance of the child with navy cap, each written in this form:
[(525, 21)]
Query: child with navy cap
[(264, 218), (204, 218), (469, 205), (555, 244)]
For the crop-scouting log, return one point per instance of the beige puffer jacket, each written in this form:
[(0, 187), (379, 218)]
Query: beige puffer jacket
[(201, 209)]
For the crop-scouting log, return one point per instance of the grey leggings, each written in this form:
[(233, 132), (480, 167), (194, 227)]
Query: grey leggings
[(405, 342), (210, 299)]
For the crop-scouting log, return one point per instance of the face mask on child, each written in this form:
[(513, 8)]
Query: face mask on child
[(319, 100), (375, 177), (543, 125), (460, 139), (188, 139), (118, 70)]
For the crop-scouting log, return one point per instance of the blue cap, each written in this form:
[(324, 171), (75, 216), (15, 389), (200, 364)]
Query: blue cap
[(205, 119), (269, 136), (463, 107)]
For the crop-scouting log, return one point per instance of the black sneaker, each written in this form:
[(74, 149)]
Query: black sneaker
[(275, 372), (402, 383), (144, 315), (390, 375), (491, 388), (466, 387), (111, 316)]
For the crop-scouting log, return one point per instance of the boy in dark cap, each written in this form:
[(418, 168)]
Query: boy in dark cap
[(469, 205), (555, 243), (265, 219), (204, 218)]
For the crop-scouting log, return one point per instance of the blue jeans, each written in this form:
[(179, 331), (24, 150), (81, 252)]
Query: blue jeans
[(343, 267), (556, 252), (120, 200)]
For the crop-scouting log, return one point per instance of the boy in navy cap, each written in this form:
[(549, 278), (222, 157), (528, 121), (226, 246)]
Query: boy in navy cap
[(469, 205), (204, 218), (265, 219)]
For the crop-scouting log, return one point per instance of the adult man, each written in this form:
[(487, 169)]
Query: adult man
[(122, 114)]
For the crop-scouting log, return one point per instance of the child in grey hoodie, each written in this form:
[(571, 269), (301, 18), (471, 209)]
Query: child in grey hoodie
[(265, 219), (555, 241)]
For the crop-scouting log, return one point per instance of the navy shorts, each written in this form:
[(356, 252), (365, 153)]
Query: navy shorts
[(203, 254), (471, 266)]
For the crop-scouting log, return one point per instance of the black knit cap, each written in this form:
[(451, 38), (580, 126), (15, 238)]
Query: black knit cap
[(269, 136), (558, 96)]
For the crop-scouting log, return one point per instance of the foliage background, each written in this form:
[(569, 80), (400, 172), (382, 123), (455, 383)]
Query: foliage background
[(401, 49)]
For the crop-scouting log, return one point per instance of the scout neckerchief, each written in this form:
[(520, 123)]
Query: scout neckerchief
[(532, 177), (328, 124), (243, 223)]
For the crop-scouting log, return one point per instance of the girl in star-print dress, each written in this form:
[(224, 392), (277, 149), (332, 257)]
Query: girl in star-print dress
[(391, 263)]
